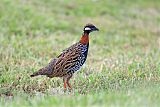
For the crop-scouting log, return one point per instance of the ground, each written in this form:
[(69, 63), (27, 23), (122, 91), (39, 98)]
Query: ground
[(123, 64)]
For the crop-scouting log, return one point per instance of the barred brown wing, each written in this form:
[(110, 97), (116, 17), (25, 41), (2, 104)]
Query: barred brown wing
[(70, 60)]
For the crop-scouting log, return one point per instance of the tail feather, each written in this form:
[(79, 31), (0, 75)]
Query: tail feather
[(46, 70)]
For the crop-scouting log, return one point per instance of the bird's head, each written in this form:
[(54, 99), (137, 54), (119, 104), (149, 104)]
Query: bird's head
[(89, 28)]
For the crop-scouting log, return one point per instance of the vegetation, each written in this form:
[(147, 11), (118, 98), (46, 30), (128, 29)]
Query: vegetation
[(123, 65)]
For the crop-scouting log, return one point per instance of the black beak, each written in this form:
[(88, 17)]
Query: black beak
[(95, 29)]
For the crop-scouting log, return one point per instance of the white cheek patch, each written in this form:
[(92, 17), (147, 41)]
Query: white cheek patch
[(87, 28)]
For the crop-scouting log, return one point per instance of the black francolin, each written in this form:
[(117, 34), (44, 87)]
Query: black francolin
[(70, 59)]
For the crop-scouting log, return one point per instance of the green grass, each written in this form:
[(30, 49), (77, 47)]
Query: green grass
[(123, 64)]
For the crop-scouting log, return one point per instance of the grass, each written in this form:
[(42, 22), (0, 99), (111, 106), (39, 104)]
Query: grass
[(123, 64)]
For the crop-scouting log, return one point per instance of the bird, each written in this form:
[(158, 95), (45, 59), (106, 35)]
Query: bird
[(70, 59)]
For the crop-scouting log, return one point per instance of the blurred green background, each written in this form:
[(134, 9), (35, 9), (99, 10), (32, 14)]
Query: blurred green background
[(123, 64)]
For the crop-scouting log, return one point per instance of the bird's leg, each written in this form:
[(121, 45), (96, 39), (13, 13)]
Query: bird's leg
[(69, 85), (68, 78), (64, 81)]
